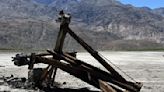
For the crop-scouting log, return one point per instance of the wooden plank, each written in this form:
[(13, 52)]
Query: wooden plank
[(104, 75), (45, 73), (59, 44), (43, 54), (32, 61), (82, 73), (61, 57), (75, 71), (96, 55), (94, 73), (60, 39), (83, 64), (105, 87)]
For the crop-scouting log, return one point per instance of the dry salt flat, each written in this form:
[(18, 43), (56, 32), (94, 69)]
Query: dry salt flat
[(146, 67)]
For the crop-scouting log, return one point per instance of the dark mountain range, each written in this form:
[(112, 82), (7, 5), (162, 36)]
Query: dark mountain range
[(159, 11), (104, 24)]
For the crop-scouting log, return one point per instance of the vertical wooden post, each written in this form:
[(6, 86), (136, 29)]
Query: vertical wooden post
[(32, 61), (64, 23), (60, 39)]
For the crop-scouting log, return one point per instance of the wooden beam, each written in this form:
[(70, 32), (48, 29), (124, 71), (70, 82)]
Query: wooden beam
[(32, 61), (82, 73), (61, 57), (104, 75), (105, 87), (45, 73), (96, 55)]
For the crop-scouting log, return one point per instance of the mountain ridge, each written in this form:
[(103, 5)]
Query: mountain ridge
[(27, 24)]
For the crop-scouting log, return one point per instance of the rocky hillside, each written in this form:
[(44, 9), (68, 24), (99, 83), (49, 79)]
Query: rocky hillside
[(159, 11), (125, 21), (104, 24)]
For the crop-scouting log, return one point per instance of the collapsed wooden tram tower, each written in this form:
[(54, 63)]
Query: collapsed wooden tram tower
[(110, 81)]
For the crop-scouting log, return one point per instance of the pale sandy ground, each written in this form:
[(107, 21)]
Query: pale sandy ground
[(146, 67)]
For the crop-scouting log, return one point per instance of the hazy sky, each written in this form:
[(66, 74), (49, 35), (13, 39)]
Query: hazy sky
[(149, 3)]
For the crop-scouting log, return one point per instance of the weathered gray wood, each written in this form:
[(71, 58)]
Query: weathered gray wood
[(105, 87), (61, 57), (82, 73), (84, 66), (78, 68), (45, 73), (60, 39), (85, 72), (96, 55), (32, 61)]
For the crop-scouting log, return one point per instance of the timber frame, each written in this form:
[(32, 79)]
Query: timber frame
[(110, 81)]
